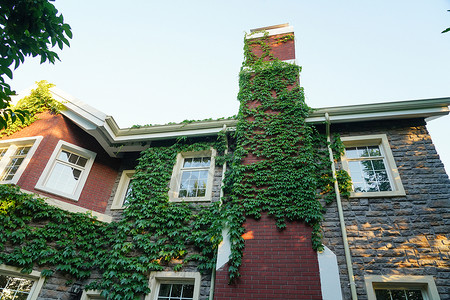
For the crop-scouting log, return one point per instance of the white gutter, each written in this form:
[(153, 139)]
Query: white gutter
[(113, 139), (348, 257)]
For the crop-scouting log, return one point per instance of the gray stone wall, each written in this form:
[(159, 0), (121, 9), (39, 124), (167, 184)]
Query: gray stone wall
[(406, 235)]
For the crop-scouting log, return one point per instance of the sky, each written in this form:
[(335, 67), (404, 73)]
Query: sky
[(154, 62)]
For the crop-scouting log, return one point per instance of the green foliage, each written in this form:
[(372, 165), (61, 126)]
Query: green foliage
[(39, 100), (152, 235), (29, 28), (294, 162), (155, 234), (184, 122)]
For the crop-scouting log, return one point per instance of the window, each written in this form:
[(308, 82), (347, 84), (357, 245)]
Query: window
[(14, 157), (369, 161), (192, 176), (174, 285), (17, 286), (123, 189), (66, 171), (393, 287)]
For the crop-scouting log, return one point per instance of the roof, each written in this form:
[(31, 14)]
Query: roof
[(117, 140)]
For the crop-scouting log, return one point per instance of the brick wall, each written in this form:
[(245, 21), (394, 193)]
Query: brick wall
[(406, 235), (281, 50), (276, 264), (53, 128)]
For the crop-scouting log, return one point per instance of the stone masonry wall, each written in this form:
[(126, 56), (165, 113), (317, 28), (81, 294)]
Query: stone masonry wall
[(406, 235)]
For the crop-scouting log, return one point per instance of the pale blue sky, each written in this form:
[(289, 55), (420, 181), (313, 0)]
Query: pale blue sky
[(165, 61)]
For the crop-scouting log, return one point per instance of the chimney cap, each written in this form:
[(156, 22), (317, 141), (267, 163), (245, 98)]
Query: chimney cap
[(270, 27)]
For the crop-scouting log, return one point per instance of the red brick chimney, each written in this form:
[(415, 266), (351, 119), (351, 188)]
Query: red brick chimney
[(276, 264), (280, 39)]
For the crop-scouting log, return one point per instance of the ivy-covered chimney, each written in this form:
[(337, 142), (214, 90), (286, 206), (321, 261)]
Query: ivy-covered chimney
[(274, 214), (271, 42)]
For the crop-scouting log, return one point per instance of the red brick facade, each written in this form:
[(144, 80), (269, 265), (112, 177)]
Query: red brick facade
[(53, 128), (283, 49), (276, 264)]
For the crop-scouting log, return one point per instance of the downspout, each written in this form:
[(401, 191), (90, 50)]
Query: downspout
[(348, 257), (224, 168)]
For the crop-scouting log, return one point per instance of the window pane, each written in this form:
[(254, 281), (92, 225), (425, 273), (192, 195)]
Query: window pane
[(398, 294), (197, 162), (351, 152), (177, 291), (373, 151), (164, 290), (193, 184), (187, 163), (22, 150), (63, 178), (14, 288), (369, 175), (382, 295), (82, 161), (414, 295), (64, 156), (188, 291), (128, 192)]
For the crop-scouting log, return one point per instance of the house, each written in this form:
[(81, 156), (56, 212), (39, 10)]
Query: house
[(242, 208)]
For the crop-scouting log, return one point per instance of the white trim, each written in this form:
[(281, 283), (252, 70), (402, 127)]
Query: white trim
[(330, 282), (177, 171), (426, 283), (275, 31), (63, 145), (382, 141), (33, 141), (34, 275), (121, 190), (106, 131), (174, 277), (72, 207), (91, 295)]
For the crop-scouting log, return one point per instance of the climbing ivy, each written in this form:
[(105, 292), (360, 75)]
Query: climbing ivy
[(39, 100), (280, 161), (155, 234)]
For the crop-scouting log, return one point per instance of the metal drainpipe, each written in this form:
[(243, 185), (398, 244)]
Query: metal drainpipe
[(224, 168), (348, 257)]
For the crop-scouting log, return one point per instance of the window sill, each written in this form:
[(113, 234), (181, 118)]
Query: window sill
[(56, 193), (377, 194), (191, 199)]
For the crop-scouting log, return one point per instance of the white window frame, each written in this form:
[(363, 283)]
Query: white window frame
[(424, 283), (177, 172), (119, 196), (380, 140), (34, 275), (91, 295), (63, 145), (156, 278), (12, 147)]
